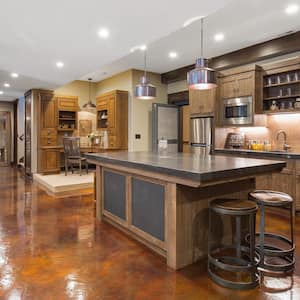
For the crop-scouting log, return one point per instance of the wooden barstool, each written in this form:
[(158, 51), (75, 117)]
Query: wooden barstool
[(231, 262), (276, 251)]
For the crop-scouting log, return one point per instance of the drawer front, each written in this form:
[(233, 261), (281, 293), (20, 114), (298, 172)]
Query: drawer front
[(50, 140), (67, 104), (48, 132)]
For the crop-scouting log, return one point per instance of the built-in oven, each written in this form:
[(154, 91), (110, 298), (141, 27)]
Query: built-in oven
[(237, 111)]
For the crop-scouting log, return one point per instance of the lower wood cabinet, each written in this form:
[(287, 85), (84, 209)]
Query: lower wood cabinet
[(50, 161)]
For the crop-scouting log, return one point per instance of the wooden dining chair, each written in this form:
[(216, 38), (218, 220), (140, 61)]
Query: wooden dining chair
[(73, 155)]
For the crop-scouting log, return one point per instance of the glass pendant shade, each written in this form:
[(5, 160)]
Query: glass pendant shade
[(145, 90), (202, 77)]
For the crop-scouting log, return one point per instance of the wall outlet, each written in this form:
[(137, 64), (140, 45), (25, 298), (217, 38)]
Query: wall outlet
[(138, 136)]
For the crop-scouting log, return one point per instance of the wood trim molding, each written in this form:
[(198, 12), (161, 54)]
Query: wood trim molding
[(180, 98), (15, 130), (266, 50)]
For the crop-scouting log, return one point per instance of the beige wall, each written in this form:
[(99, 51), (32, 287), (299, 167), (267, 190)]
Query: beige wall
[(141, 117), (80, 89), (9, 107), (139, 111), (122, 81)]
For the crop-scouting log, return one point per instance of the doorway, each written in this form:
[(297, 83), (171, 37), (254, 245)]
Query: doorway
[(5, 138)]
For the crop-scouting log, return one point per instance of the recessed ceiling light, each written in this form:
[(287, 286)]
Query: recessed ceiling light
[(191, 20), (143, 47), (14, 75), (173, 54), (60, 64), (219, 37), (6, 84), (291, 9), (1, 92), (103, 33)]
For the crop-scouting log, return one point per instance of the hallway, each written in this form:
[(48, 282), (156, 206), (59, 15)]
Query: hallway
[(52, 248)]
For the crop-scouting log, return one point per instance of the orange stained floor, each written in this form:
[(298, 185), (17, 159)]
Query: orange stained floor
[(53, 248)]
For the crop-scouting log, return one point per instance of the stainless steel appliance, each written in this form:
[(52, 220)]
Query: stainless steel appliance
[(237, 111), (201, 135), (235, 140)]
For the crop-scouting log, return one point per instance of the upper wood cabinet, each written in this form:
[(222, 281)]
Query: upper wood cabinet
[(47, 112), (67, 103), (112, 116), (202, 101), (239, 82)]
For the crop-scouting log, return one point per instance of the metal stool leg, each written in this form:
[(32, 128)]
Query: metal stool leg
[(262, 235)]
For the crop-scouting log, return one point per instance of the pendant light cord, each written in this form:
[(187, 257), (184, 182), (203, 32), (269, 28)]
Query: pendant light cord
[(202, 37), (145, 63), (90, 91)]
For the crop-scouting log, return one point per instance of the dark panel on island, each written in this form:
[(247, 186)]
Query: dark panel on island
[(148, 207), (115, 194)]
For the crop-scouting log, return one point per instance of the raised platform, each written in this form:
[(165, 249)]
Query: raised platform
[(59, 184)]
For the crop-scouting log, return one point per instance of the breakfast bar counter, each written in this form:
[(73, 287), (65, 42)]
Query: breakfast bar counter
[(162, 200)]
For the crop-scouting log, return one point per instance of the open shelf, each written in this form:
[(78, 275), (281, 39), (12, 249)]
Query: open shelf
[(282, 97), (281, 84), (65, 129)]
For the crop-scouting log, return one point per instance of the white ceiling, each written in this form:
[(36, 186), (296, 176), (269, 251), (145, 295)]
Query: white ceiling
[(36, 34)]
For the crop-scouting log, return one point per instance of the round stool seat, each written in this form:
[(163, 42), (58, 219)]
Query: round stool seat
[(270, 198), (233, 206)]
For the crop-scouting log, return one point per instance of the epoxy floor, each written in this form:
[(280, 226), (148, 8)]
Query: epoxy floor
[(53, 248)]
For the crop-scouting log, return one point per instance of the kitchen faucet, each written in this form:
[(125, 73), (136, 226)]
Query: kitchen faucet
[(285, 146)]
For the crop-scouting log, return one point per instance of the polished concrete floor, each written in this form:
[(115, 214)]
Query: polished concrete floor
[(53, 248)]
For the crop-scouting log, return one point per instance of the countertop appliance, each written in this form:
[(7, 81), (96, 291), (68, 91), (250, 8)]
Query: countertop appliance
[(201, 135), (237, 111), (235, 141)]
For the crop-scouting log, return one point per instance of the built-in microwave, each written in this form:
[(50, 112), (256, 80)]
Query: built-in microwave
[(237, 111)]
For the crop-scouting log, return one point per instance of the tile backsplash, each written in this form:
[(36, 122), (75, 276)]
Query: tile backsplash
[(290, 123)]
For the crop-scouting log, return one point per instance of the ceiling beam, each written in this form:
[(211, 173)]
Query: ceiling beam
[(269, 49)]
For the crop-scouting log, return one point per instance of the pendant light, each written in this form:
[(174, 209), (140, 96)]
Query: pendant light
[(202, 77), (145, 90), (89, 106)]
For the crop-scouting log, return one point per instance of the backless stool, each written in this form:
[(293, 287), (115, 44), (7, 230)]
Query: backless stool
[(276, 251), (231, 262)]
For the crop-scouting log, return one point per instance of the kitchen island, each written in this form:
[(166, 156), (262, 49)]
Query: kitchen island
[(162, 200)]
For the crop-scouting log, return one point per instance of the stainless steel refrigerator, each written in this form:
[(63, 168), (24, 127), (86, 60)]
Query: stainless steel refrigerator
[(202, 135)]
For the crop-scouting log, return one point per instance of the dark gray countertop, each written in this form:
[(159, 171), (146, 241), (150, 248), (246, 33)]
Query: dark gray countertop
[(189, 166), (263, 154)]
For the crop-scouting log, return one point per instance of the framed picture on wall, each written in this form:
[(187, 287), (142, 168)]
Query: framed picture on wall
[(85, 127)]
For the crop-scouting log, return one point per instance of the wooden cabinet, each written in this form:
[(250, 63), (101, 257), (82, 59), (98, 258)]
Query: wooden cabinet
[(240, 82), (48, 124), (112, 117), (67, 103), (67, 107), (202, 101), (185, 112), (50, 161)]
